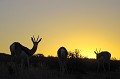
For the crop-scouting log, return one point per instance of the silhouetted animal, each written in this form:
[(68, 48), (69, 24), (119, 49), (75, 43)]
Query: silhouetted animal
[(62, 58), (20, 54), (102, 58)]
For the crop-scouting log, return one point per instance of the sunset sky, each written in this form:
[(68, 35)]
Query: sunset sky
[(74, 24)]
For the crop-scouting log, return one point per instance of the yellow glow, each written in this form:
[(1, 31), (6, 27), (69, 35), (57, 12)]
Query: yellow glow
[(83, 25)]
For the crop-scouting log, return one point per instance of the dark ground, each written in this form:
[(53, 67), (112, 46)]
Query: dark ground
[(48, 68)]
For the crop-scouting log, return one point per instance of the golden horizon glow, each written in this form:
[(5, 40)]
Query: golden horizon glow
[(83, 24)]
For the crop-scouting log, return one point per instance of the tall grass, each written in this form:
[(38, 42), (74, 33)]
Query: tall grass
[(48, 68)]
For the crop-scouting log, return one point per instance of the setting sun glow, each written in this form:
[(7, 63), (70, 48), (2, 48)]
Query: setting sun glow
[(80, 24)]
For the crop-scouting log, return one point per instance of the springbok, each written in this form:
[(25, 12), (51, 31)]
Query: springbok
[(20, 54), (62, 58), (103, 58)]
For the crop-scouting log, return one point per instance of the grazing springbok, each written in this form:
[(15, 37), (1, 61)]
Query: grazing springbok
[(20, 54), (62, 58), (103, 58)]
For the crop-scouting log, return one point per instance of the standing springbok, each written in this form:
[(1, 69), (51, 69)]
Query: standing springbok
[(102, 59), (20, 54), (62, 58)]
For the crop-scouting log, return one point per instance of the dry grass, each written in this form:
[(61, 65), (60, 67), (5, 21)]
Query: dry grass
[(45, 73), (47, 68), (105, 75), (33, 73)]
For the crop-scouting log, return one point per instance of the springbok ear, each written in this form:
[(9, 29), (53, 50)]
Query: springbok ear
[(32, 39), (95, 52), (40, 40)]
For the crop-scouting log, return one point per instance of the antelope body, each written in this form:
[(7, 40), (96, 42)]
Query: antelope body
[(62, 58), (20, 54), (102, 59)]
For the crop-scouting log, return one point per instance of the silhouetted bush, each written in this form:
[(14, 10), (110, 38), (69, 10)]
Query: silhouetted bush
[(75, 64)]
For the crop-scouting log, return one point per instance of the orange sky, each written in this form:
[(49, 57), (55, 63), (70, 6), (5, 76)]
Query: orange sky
[(79, 24)]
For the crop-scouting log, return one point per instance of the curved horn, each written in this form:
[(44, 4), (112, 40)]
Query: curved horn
[(33, 38), (96, 50), (99, 50), (38, 38)]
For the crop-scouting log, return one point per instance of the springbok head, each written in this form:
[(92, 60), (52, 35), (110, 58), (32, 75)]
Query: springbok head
[(35, 41), (97, 53)]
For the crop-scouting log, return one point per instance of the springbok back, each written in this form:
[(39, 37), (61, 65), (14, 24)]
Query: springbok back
[(102, 59)]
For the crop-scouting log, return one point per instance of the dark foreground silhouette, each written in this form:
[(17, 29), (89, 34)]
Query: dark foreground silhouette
[(48, 68)]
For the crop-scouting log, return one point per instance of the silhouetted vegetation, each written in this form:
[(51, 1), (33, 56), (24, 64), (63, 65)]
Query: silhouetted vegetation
[(77, 64)]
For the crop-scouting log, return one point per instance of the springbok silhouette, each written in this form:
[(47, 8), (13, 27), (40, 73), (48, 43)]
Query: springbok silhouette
[(20, 54), (62, 58), (103, 58)]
